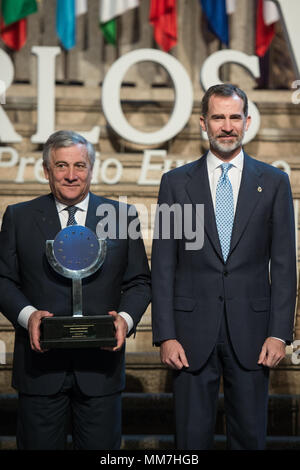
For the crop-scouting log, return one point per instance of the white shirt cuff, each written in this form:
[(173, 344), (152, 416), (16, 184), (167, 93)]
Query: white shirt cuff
[(24, 315), (128, 320), (278, 339)]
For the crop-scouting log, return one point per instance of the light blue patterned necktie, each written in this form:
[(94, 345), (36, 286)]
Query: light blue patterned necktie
[(224, 209)]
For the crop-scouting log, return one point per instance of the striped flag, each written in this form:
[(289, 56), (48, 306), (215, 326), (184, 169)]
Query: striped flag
[(109, 10), (216, 12), (14, 21), (266, 16)]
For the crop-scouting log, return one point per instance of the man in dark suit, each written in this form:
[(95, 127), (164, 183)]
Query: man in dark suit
[(89, 380), (225, 308)]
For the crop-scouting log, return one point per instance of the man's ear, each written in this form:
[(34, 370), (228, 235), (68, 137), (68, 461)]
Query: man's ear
[(248, 122), (202, 123), (46, 171)]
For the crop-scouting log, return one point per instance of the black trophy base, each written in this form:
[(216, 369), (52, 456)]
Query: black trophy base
[(77, 332)]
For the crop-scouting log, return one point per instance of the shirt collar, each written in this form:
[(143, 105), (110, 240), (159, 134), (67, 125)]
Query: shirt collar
[(214, 162), (82, 205)]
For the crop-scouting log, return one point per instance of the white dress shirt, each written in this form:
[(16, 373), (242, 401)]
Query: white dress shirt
[(234, 174), (80, 218)]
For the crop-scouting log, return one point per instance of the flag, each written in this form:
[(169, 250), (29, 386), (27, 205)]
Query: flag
[(163, 17), (266, 17), (65, 23), (66, 13), (217, 18), (230, 6), (270, 12), (81, 7), (108, 12), (14, 23), (14, 35), (15, 10)]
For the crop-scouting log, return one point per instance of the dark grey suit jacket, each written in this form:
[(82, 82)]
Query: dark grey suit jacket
[(257, 284), (26, 278)]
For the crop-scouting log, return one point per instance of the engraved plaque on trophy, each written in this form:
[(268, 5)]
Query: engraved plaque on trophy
[(76, 253)]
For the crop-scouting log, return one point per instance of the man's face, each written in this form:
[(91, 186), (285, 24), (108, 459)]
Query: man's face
[(69, 174), (225, 125)]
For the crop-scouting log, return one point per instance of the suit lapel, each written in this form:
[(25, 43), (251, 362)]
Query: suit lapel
[(91, 217), (250, 193), (46, 217), (199, 192)]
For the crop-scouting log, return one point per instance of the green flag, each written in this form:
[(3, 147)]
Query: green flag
[(109, 30), (109, 10), (15, 10)]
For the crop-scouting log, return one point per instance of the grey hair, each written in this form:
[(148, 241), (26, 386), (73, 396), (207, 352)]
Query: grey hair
[(65, 139)]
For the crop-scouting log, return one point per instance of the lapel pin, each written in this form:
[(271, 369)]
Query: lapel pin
[(259, 189)]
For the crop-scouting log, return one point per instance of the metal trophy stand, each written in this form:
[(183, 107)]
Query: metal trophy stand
[(76, 253)]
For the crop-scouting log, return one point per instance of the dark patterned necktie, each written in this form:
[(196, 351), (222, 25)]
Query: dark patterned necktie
[(72, 210)]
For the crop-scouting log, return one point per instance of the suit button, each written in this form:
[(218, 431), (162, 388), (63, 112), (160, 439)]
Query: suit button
[(221, 298), (226, 273)]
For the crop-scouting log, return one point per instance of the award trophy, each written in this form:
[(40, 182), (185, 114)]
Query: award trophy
[(76, 253)]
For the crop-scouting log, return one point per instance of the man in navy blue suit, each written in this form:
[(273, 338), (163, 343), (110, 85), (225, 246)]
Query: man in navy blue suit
[(226, 308), (89, 381)]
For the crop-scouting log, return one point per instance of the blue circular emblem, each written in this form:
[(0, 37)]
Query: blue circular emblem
[(76, 247)]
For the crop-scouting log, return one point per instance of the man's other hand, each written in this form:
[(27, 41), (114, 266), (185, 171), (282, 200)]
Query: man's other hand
[(173, 355), (272, 352), (121, 331), (34, 330)]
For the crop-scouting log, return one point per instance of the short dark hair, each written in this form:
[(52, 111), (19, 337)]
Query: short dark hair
[(64, 138), (226, 90)]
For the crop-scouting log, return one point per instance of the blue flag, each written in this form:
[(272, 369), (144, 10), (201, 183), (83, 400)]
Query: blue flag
[(66, 22), (215, 12)]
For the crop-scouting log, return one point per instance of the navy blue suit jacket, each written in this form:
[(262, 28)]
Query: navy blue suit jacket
[(257, 284), (26, 278)]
